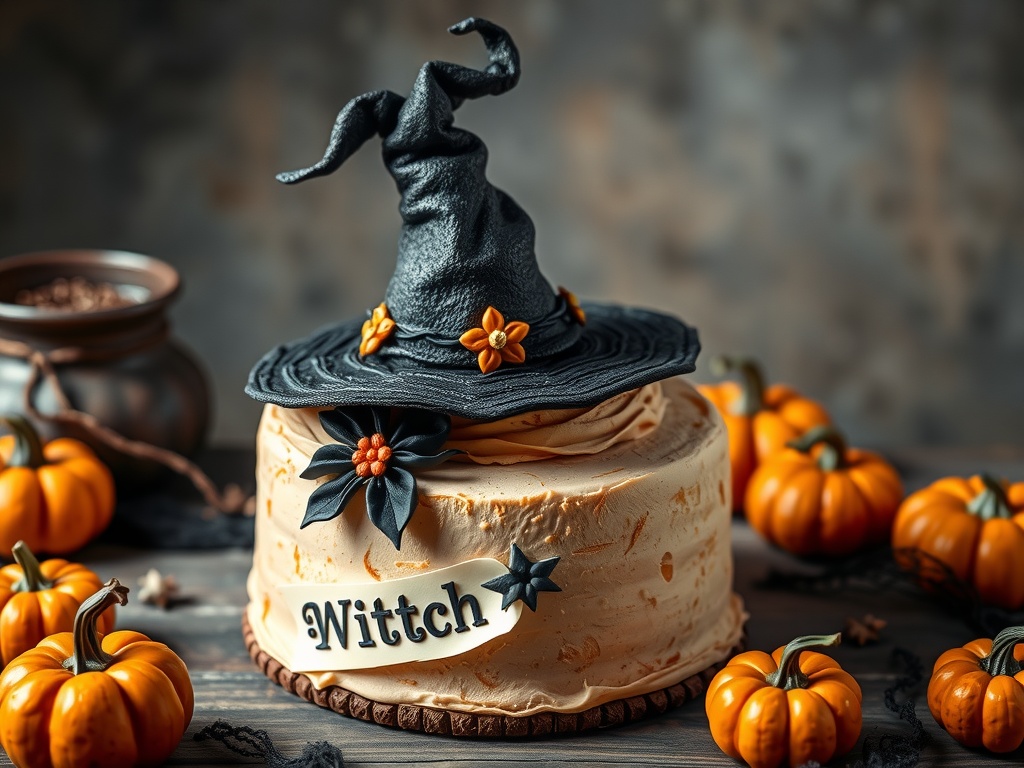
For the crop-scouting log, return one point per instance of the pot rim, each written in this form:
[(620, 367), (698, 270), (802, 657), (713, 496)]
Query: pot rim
[(157, 277)]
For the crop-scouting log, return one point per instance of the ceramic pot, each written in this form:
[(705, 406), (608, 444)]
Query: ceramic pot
[(131, 376)]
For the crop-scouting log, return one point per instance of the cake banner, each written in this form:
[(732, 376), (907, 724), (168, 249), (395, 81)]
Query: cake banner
[(428, 616)]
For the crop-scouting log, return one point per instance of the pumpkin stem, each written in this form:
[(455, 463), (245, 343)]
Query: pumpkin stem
[(991, 502), (1001, 660), (751, 382), (28, 448), (789, 676), (833, 451), (89, 655), (32, 579)]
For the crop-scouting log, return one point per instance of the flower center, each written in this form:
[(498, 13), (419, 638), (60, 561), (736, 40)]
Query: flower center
[(497, 339), (371, 456)]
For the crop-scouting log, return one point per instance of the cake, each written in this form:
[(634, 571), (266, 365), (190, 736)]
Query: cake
[(488, 509)]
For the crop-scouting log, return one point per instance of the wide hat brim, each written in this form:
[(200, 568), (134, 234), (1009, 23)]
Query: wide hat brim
[(620, 349)]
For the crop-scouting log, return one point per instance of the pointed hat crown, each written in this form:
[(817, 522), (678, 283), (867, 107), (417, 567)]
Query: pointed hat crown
[(468, 325), (465, 245)]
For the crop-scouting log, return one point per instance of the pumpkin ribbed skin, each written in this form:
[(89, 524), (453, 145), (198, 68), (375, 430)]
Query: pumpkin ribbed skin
[(765, 725), (979, 706), (806, 509), (57, 503), (985, 549), (123, 700), (26, 617), (759, 420)]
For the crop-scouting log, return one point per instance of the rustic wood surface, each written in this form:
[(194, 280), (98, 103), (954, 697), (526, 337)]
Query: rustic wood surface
[(206, 631)]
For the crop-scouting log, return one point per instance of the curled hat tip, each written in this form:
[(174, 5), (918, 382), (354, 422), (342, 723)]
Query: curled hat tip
[(464, 26)]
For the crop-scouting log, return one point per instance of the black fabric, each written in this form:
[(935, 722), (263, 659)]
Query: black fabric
[(884, 748), (464, 246), (251, 742), (171, 514), (879, 571)]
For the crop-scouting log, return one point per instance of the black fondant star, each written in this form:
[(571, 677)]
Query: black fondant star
[(378, 452), (524, 579)]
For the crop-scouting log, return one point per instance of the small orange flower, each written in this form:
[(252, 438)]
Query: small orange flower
[(377, 328), (371, 456), (574, 305), (496, 342)]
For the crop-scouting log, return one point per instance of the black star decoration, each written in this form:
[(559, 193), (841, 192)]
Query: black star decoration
[(524, 579)]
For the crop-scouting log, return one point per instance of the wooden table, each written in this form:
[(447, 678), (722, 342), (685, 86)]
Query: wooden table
[(205, 631)]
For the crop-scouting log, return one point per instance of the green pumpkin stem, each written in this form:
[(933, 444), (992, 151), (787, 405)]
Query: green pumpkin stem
[(1001, 660), (833, 452), (788, 676), (28, 448), (32, 579), (991, 502), (751, 382), (89, 655)]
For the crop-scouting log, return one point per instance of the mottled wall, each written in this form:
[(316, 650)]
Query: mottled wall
[(836, 186)]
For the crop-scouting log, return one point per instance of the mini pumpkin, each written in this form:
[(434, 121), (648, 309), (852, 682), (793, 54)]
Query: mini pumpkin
[(818, 496), (760, 419), (77, 699), (976, 693), (973, 525), (56, 497), (790, 708), (38, 600)]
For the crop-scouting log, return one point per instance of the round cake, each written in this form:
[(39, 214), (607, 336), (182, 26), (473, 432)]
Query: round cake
[(631, 497)]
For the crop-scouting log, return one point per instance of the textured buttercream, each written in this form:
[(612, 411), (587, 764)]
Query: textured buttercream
[(560, 432), (642, 529)]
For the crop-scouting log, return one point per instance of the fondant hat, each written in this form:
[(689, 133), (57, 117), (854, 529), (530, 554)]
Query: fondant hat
[(468, 325)]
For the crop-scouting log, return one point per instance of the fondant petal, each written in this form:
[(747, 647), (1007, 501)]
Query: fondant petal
[(390, 502), (369, 346), (474, 339), (516, 592), (516, 331), (517, 562), (420, 431), (529, 597), (347, 425), (513, 353), (489, 360), (544, 567), (330, 499), (329, 459), (544, 584), (411, 460), (493, 320)]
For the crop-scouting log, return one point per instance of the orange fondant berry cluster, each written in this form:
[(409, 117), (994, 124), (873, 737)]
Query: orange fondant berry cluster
[(371, 456)]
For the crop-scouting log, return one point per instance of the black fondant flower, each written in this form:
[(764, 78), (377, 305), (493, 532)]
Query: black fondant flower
[(524, 580), (373, 452)]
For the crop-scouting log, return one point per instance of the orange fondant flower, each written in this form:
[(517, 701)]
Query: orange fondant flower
[(574, 305), (377, 328), (496, 342)]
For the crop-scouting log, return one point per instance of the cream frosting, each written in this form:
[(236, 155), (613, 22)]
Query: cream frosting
[(642, 528), (561, 432)]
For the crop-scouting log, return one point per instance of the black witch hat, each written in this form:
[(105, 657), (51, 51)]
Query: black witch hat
[(468, 325)]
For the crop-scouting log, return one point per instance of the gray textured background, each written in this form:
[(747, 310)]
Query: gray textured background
[(836, 186)]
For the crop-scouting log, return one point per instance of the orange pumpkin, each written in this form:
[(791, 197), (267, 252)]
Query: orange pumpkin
[(976, 693), (790, 708), (976, 527), (820, 497), (38, 600), (760, 420), (76, 700), (55, 497)]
